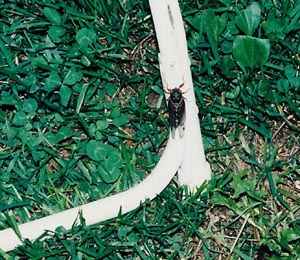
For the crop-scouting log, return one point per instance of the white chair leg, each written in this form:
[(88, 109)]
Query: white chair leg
[(175, 66)]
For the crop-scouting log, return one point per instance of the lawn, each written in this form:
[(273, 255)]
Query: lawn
[(79, 75)]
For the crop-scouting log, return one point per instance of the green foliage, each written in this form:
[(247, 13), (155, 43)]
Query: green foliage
[(215, 25), (85, 37), (82, 117), (62, 88), (250, 51), (249, 19), (52, 15)]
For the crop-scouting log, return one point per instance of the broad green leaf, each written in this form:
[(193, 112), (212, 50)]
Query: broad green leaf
[(109, 159), (289, 235), (65, 94), (65, 132), (101, 124), (243, 185), (292, 75), (110, 169), (6, 99), (6, 53), (294, 24), (250, 51), (282, 85), (30, 105), (20, 118), (62, 134), (97, 150), (198, 22), (30, 80), (228, 65), (215, 25), (72, 76), (109, 175), (85, 37), (40, 62), (124, 231), (56, 33), (52, 15), (274, 28), (52, 81), (195, 39), (120, 120), (249, 19), (218, 199), (38, 155), (28, 139), (111, 89)]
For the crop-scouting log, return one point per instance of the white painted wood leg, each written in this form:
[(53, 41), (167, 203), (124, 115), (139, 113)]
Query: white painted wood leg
[(175, 68)]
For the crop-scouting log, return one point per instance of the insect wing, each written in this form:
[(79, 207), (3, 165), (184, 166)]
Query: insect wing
[(182, 120), (172, 117)]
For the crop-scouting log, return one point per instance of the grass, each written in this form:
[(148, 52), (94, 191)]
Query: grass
[(80, 79)]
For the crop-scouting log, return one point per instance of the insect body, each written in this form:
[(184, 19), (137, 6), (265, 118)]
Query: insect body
[(176, 107)]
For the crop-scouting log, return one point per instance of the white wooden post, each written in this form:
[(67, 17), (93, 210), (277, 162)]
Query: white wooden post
[(175, 68), (184, 155)]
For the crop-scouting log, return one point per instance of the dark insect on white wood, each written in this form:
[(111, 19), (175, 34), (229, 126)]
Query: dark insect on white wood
[(176, 109)]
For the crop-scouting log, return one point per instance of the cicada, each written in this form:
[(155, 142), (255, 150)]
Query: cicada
[(176, 109)]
